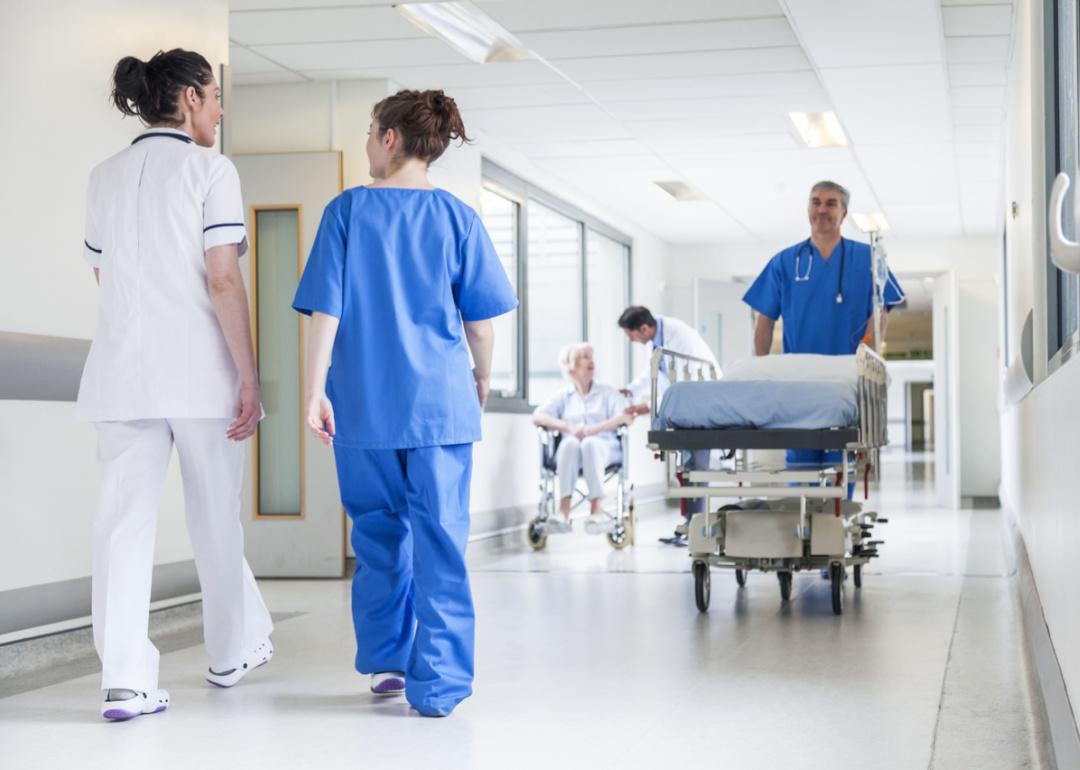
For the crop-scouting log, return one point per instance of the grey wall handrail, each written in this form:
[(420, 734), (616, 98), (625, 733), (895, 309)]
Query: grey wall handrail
[(36, 367)]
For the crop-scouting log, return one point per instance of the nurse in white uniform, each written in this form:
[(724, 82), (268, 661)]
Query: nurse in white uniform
[(171, 363)]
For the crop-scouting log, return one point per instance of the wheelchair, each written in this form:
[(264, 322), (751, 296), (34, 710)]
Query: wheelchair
[(620, 529)]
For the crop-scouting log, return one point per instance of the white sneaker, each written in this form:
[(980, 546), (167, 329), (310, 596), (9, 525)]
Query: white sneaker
[(153, 702), (388, 683), (557, 524), (598, 523), (259, 656)]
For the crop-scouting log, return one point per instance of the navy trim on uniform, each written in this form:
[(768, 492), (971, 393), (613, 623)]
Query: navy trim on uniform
[(224, 224), (96, 251), (181, 137)]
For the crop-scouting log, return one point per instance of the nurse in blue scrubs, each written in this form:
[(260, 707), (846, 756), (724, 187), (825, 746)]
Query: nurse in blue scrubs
[(823, 288), (401, 285)]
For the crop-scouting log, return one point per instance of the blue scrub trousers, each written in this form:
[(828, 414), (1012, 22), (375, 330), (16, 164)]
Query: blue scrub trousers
[(411, 602)]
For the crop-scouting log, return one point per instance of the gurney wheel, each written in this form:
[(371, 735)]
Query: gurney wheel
[(785, 584), (536, 539), (836, 577), (702, 586), (858, 576), (740, 577)]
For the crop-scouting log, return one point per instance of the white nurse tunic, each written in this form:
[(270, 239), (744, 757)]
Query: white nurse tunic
[(153, 210)]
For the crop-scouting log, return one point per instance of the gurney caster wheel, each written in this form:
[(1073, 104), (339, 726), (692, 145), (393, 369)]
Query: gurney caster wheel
[(702, 586), (836, 577), (858, 576), (785, 584), (537, 538), (740, 577)]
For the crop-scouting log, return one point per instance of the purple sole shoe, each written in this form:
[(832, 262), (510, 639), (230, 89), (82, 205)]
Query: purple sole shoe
[(391, 686)]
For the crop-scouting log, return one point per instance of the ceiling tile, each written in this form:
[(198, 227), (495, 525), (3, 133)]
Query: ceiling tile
[(891, 105), (451, 76), (526, 16), (868, 32), (704, 87), (978, 96), (963, 75), (266, 78), (244, 61), (977, 20), (358, 55), (541, 123), (978, 50), (585, 70), (662, 38), (771, 112), (584, 149), (321, 25)]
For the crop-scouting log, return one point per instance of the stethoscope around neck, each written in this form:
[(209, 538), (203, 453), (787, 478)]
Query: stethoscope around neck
[(801, 277)]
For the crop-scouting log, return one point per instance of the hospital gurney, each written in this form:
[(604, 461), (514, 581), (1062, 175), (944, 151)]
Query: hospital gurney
[(780, 520), (620, 528)]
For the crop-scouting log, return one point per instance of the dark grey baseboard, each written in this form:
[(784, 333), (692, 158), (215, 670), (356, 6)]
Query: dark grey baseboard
[(40, 605), (1058, 710)]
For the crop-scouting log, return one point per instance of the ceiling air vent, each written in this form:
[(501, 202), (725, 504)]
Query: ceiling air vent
[(681, 191)]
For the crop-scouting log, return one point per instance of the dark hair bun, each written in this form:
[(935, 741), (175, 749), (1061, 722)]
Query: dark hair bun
[(427, 121), (130, 86), (150, 89)]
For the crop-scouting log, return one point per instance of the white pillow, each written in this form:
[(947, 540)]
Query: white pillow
[(795, 367)]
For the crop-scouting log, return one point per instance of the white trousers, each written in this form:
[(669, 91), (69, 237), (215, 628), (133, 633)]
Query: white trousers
[(133, 458), (590, 456)]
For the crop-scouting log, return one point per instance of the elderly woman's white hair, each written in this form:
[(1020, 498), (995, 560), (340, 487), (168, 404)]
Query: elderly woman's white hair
[(570, 354)]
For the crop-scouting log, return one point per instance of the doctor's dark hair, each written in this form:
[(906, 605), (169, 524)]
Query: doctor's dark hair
[(826, 185), (636, 316), (426, 120), (150, 90)]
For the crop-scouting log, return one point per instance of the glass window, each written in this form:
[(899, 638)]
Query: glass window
[(606, 272), (500, 216), (553, 265), (275, 273), (1063, 143)]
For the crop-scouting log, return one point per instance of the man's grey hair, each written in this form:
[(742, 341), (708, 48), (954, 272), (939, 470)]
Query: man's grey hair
[(845, 196)]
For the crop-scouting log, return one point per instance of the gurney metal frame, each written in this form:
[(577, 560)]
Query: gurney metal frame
[(620, 529), (800, 519)]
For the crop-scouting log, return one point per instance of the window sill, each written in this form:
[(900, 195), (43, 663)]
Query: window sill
[(505, 405)]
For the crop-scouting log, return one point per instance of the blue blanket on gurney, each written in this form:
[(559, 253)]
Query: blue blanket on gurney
[(758, 404)]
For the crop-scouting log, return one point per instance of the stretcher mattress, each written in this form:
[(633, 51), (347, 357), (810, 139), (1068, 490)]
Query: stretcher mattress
[(716, 404)]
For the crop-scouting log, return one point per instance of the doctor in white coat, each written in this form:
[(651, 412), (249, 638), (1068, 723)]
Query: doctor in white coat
[(171, 364), (670, 333)]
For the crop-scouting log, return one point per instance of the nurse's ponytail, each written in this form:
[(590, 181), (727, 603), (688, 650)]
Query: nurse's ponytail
[(426, 120), (149, 90)]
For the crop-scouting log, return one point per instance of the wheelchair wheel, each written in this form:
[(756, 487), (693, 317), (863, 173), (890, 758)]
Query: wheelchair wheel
[(702, 586), (622, 536), (740, 577), (785, 584), (537, 538)]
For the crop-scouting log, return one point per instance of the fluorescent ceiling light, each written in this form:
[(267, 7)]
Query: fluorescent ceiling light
[(467, 29), (681, 191), (870, 223), (819, 129)]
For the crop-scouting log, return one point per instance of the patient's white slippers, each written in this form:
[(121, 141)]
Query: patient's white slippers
[(260, 655), (125, 704)]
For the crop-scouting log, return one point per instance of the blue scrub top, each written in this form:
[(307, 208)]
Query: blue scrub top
[(814, 322), (401, 269)]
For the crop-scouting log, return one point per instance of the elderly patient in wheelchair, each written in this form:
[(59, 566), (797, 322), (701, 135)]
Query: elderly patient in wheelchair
[(585, 420)]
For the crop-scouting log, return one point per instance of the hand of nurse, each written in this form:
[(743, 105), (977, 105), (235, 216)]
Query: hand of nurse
[(483, 388), (320, 418), (250, 413)]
